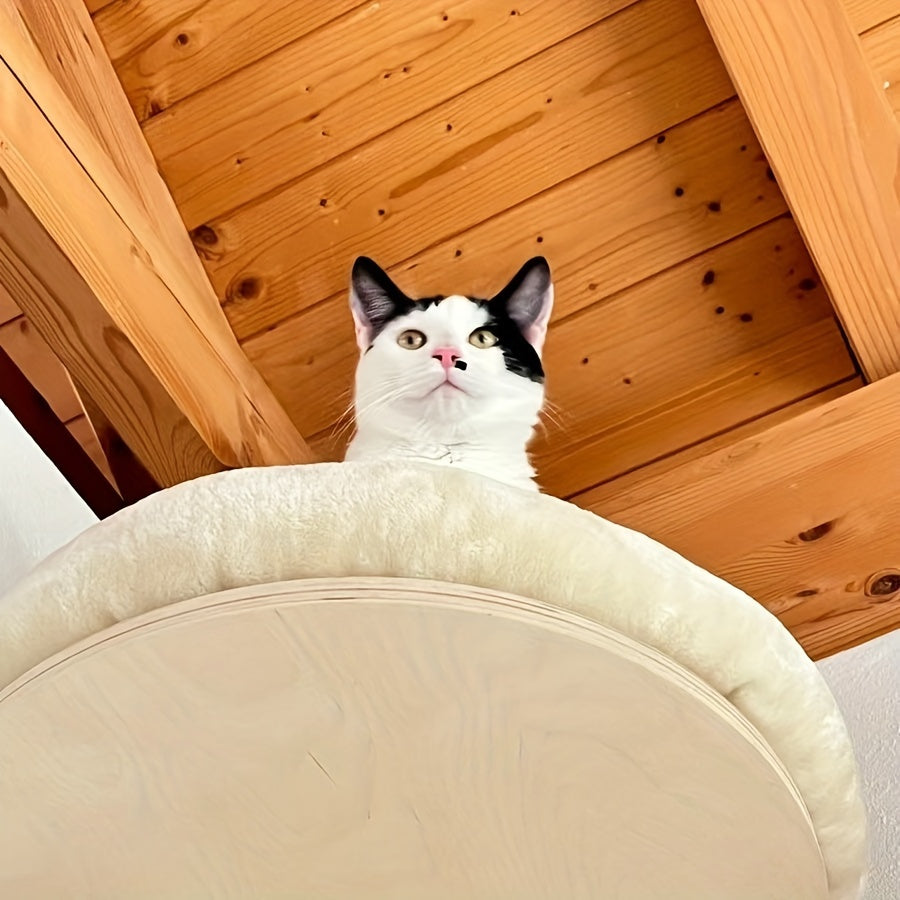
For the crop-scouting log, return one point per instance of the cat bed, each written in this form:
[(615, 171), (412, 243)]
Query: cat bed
[(356, 520)]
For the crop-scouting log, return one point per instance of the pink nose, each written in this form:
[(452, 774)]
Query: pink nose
[(447, 356)]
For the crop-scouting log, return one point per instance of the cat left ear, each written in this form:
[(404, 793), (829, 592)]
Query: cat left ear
[(374, 299), (528, 300)]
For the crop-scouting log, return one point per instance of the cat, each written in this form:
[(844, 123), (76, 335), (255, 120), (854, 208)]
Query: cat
[(454, 380)]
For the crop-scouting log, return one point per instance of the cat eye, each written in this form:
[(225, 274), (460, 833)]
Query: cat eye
[(411, 339), (483, 338)]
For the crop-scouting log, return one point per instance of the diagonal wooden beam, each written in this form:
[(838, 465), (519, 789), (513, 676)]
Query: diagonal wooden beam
[(803, 517), (61, 33), (65, 192), (834, 146)]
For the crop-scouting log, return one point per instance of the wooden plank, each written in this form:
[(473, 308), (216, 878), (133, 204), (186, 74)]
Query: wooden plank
[(663, 333), (343, 85), (794, 366), (57, 38), (606, 228), (803, 516), (135, 281), (674, 360), (31, 355), (833, 144), (866, 14), (605, 493), (616, 84), (882, 50), (166, 50), (51, 435)]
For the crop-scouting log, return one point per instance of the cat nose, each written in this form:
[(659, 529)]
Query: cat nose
[(447, 356)]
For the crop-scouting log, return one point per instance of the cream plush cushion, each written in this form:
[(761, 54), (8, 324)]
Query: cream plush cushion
[(254, 526)]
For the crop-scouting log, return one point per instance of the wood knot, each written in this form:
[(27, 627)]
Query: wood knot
[(203, 234), (816, 532), (242, 289), (883, 585)]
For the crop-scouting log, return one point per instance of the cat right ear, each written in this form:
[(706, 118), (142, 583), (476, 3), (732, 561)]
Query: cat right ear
[(374, 299)]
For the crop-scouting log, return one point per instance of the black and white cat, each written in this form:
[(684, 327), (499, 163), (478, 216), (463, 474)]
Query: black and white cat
[(451, 380)]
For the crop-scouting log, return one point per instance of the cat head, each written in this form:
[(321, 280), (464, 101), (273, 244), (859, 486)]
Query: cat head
[(450, 369)]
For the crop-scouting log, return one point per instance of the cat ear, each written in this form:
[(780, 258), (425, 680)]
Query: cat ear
[(374, 299), (528, 300)]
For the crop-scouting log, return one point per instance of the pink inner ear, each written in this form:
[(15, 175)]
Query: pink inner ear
[(536, 333), (363, 329)]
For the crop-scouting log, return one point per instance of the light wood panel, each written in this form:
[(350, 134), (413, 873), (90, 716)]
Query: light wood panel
[(137, 286), (165, 50), (881, 47), (340, 739), (834, 145), (641, 376), (611, 86), (866, 14), (803, 517), (605, 228), (356, 79)]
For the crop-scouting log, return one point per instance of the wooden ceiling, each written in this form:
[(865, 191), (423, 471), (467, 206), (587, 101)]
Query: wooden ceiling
[(451, 141)]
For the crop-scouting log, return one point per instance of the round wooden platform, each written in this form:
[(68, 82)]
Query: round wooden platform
[(379, 738)]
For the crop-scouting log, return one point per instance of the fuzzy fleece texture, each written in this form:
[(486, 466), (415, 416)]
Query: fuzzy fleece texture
[(254, 526)]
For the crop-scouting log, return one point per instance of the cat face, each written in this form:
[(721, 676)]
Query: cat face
[(448, 368)]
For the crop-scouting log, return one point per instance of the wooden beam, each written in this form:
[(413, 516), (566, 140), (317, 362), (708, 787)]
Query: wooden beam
[(51, 435), (803, 517), (58, 36), (64, 309), (833, 144), (64, 194)]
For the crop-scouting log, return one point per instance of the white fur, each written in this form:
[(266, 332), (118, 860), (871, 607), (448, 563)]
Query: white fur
[(406, 410)]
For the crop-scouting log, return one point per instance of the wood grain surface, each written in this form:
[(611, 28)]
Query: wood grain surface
[(56, 37), (866, 14), (386, 738), (802, 517), (134, 279), (881, 47)]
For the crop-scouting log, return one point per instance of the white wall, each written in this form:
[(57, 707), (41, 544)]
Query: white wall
[(866, 683), (39, 510)]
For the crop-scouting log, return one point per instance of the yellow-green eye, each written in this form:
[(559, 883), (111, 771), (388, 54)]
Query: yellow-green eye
[(483, 338), (411, 340)]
